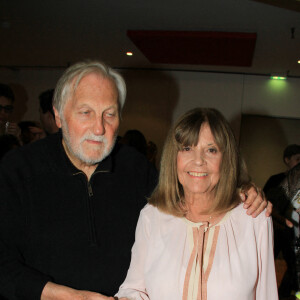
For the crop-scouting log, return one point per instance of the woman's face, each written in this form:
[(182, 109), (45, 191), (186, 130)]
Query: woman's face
[(198, 167)]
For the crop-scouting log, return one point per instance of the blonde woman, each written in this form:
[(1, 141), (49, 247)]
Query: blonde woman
[(193, 240)]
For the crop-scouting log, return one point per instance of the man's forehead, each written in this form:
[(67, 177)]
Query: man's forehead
[(94, 78), (92, 82), (5, 101), (89, 87)]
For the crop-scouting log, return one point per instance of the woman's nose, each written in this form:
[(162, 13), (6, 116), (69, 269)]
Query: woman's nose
[(199, 157)]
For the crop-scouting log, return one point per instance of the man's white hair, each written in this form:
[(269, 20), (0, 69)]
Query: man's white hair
[(68, 82)]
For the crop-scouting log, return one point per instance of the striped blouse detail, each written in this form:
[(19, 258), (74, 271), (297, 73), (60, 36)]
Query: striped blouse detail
[(202, 239)]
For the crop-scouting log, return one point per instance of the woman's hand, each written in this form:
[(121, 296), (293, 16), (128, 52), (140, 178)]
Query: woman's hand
[(255, 201)]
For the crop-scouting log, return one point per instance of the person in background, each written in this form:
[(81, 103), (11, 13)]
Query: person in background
[(7, 143), (46, 111), (291, 157), (30, 132), (70, 202), (193, 240), (152, 152), (7, 99), (290, 188), (134, 138), (283, 224)]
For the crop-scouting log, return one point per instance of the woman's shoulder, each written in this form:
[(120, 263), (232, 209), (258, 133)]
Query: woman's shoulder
[(152, 211), (239, 215), (148, 210), (243, 227), (155, 218), (159, 225)]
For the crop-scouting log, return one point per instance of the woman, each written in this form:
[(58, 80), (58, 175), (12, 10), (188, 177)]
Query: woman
[(193, 241)]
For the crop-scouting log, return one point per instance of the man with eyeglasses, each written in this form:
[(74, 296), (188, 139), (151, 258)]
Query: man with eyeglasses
[(6, 108)]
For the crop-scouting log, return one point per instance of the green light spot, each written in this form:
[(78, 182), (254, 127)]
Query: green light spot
[(278, 77), (277, 85)]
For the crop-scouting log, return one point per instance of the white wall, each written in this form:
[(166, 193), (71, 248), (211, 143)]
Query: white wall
[(277, 98), (220, 91), (27, 85)]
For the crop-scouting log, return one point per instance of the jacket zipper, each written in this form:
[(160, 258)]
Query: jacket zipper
[(90, 212), (91, 218)]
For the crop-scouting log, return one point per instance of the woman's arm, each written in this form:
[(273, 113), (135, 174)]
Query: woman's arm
[(266, 286), (134, 287)]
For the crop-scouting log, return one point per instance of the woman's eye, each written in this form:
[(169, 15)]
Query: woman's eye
[(212, 150), (186, 148)]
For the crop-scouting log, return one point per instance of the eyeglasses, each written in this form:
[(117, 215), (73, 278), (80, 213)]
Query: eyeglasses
[(7, 108)]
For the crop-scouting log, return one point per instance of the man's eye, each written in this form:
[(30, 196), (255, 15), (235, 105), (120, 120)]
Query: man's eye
[(85, 112), (110, 114)]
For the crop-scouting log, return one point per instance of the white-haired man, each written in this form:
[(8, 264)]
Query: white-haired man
[(70, 203)]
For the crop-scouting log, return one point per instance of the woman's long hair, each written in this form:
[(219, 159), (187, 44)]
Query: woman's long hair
[(169, 194)]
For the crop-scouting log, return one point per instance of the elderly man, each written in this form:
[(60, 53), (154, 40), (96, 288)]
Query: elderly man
[(70, 203)]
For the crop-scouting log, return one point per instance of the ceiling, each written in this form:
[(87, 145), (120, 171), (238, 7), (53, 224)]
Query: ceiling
[(56, 33)]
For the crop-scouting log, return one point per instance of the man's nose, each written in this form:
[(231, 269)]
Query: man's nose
[(99, 128), (2, 112)]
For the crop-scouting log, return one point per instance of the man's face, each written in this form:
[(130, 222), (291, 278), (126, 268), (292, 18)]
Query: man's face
[(45, 119), (90, 120), (6, 108), (292, 161)]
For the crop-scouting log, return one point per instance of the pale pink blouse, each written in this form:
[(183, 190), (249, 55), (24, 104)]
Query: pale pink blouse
[(236, 256)]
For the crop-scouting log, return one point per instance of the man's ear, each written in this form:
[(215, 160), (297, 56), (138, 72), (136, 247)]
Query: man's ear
[(57, 118), (286, 160)]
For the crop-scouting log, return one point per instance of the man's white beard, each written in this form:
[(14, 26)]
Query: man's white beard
[(77, 149)]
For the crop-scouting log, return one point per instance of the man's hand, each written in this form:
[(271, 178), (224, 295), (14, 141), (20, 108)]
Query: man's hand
[(255, 201), (13, 129), (36, 133), (53, 291), (288, 223)]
